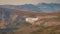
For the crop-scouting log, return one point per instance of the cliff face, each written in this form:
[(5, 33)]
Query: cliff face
[(9, 17)]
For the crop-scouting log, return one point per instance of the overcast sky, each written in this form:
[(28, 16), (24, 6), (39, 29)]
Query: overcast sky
[(20, 2)]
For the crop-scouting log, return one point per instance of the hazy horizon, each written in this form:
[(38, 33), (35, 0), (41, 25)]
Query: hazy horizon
[(21, 2)]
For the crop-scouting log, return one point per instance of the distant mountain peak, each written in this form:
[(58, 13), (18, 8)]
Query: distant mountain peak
[(40, 7)]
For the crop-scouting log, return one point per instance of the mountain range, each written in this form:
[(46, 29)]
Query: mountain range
[(40, 7)]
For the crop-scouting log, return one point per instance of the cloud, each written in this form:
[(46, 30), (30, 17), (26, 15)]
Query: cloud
[(19, 2)]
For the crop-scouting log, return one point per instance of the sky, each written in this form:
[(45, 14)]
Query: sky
[(20, 2)]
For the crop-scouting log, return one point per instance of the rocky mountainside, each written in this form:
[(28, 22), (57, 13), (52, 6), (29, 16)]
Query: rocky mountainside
[(13, 18)]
